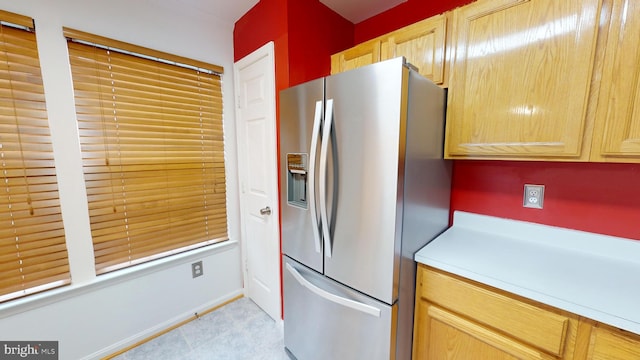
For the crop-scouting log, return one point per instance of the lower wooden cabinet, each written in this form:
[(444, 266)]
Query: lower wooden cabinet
[(445, 335), (459, 319), (608, 343)]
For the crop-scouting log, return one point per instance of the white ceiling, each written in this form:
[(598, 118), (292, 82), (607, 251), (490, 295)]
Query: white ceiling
[(358, 10), (228, 10), (352, 10)]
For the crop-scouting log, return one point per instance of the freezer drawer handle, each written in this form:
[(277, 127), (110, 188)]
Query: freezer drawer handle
[(367, 309)]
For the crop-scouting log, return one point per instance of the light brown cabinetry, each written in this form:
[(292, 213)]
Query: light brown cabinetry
[(528, 79), (360, 55), (520, 79), (422, 44), (617, 131), (459, 319), (607, 343)]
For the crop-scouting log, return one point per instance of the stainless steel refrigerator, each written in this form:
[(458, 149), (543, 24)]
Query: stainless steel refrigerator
[(363, 187)]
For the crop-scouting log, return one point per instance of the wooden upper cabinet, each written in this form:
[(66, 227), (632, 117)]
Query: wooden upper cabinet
[(520, 79), (617, 131), (422, 44), (360, 55)]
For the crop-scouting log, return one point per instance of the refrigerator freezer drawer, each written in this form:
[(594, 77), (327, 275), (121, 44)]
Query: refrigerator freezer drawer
[(326, 320)]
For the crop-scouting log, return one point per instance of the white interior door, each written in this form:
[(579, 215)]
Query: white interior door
[(258, 167)]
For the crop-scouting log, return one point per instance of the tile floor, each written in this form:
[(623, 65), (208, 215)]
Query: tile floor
[(237, 331)]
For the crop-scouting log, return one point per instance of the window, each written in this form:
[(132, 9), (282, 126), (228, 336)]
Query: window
[(151, 134), (33, 253)]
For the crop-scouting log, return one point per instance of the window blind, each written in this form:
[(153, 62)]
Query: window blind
[(33, 253), (153, 150)]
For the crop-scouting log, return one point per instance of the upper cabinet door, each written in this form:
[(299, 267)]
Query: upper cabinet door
[(617, 134), (360, 55), (520, 79), (422, 44)]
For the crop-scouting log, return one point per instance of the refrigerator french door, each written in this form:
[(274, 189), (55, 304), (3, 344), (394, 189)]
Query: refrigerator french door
[(363, 187)]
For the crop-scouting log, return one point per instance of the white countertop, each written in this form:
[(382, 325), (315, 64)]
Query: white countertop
[(592, 275)]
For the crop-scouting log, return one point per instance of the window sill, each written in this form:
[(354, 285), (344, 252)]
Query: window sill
[(34, 301)]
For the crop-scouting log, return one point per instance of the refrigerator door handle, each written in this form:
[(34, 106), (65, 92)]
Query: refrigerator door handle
[(324, 218), (355, 305), (315, 135)]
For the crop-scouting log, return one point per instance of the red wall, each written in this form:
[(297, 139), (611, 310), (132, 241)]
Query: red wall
[(402, 15), (594, 197), (266, 21), (315, 32), (305, 34)]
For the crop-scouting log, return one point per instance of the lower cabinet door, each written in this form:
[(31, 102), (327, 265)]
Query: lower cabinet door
[(440, 334), (326, 320), (607, 343)]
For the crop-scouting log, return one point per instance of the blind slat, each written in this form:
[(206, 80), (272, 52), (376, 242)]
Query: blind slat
[(97, 167), (148, 221), (16, 19), (49, 238)]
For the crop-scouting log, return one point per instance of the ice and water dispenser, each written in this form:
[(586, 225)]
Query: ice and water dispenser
[(297, 168)]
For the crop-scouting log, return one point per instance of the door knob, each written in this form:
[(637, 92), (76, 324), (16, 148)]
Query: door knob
[(265, 211)]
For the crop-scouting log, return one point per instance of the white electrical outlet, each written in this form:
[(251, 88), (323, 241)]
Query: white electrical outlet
[(533, 196)]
